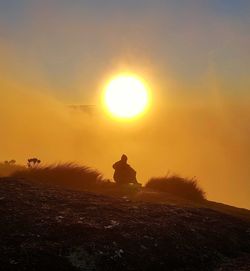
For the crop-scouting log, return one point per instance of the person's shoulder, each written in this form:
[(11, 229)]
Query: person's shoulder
[(115, 164), (131, 168)]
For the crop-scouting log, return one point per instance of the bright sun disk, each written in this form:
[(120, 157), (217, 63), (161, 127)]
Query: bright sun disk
[(126, 96)]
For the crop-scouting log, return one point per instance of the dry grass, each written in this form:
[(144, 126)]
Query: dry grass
[(73, 176), (67, 175), (8, 169), (177, 186), (76, 177)]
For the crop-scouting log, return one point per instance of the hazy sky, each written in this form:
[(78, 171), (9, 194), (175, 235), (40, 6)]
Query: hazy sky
[(77, 42), (194, 54)]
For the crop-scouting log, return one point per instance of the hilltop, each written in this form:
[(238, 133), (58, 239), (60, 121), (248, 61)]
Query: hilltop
[(51, 228)]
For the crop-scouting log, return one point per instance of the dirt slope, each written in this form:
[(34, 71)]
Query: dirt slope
[(46, 228)]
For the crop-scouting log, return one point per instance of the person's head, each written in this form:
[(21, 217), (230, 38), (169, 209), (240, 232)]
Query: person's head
[(124, 158)]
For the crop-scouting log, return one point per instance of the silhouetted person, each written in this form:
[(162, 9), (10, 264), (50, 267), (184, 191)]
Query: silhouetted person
[(124, 173)]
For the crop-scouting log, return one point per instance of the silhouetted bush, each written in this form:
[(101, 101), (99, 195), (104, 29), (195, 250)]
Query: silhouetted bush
[(11, 162), (177, 186), (68, 175), (32, 162)]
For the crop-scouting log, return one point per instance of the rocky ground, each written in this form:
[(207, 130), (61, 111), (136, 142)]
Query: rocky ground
[(48, 228)]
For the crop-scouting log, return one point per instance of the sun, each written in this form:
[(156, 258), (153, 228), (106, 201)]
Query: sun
[(126, 96)]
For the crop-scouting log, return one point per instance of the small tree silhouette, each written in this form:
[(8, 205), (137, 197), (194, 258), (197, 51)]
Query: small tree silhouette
[(32, 162), (11, 162)]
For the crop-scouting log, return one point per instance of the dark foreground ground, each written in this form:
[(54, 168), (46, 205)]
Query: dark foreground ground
[(43, 228)]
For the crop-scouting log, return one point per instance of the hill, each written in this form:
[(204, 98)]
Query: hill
[(50, 228)]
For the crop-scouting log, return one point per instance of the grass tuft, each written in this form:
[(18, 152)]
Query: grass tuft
[(177, 186), (6, 169), (68, 175)]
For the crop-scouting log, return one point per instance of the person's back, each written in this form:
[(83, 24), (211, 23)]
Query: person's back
[(124, 174)]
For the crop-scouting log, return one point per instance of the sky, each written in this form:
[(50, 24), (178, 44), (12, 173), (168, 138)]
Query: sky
[(195, 55), (68, 41)]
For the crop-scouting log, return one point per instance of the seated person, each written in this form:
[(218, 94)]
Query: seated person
[(124, 173)]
